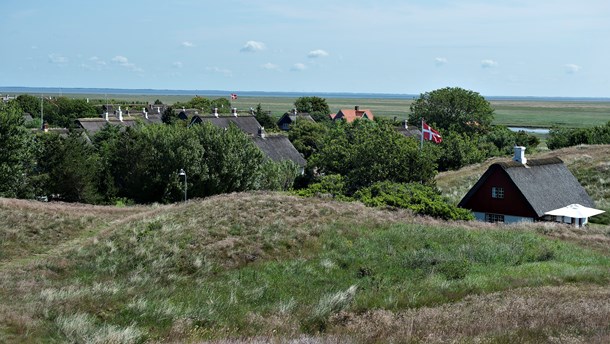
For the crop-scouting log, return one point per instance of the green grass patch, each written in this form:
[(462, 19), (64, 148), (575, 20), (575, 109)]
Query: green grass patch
[(162, 284)]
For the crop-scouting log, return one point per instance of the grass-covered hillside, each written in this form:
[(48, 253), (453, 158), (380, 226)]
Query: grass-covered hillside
[(260, 267)]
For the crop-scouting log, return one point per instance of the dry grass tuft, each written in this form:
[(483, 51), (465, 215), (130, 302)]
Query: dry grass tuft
[(570, 312)]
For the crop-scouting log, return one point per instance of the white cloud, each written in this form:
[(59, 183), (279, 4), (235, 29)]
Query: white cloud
[(572, 68), (439, 61), (253, 46), (187, 44), (317, 53), (57, 58), (177, 64), (489, 63), (298, 67), (124, 62), (223, 71), (97, 61), (270, 66)]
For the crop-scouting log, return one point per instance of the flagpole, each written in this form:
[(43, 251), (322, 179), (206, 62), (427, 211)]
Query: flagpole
[(421, 147)]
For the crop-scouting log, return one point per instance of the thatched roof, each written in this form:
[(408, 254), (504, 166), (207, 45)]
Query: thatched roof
[(546, 184), (278, 148), (93, 125), (247, 124)]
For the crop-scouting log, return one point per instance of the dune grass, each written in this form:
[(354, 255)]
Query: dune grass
[(273, 266)]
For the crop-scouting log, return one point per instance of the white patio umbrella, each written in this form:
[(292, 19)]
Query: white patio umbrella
[(575, 211)]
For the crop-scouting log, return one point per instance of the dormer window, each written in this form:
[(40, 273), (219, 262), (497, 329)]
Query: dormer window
[(497, 192)]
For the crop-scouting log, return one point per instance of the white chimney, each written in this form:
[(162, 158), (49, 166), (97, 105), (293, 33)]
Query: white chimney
[(106, 115), (158, 109), (294, 111), (216, 112), (234, 112), (261, 132), (406, 124), (145, 113), (120, 114), (520, 155)]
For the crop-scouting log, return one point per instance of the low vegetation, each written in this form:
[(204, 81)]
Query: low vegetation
[(269, 267)]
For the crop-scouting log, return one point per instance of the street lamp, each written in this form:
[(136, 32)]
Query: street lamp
[(182, 173)]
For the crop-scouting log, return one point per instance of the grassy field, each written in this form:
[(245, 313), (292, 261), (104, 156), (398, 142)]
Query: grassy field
[(261, 267), (534, 113)]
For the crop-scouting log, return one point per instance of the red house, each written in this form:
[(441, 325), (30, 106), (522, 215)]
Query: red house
[(350, 115), (525, 190)]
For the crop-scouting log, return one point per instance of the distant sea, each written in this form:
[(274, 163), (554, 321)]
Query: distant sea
[(153, 92)]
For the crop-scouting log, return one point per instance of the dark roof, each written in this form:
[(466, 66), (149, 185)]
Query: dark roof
[(278, 148), (248, 124), (93, 125), (291, 117), (546, 184)]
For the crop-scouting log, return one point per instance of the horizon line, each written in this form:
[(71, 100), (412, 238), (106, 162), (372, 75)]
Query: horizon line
[(133, 91)]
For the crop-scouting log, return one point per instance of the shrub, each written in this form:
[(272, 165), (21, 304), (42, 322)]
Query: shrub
[(421, 199)]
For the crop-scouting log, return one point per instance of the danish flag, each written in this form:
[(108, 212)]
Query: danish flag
[(233, 96), (430, 134)]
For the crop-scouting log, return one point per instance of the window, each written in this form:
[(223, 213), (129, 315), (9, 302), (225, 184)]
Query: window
[(497, 192), (494, 218), (285, 126)]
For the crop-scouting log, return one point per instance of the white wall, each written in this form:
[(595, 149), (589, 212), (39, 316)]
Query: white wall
[(507, 218)]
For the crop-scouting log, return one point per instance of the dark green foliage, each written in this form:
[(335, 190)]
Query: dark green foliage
[(279, 176), (365, 152), (16, 152), (265, 119), (421, 199), (29, 104), (453, 108), (145, 162), (307, 137), (333, 185), (230, 161), (62, 111), (312, 105), (169, 116), (67, 168), (158, 102), (460, 150), (560, 137)]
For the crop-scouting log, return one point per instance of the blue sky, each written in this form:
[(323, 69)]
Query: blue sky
[(511, 48)]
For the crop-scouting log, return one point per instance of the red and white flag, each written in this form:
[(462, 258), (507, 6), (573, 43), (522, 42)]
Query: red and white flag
[(233, 96), (430, 134)]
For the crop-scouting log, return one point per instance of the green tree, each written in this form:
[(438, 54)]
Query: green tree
[(169, 116), (16, 152), (365, 152), (68, 167), (158, 102), (312, 105), (265, 119), (453, 108), (307, 137), (29, 104)]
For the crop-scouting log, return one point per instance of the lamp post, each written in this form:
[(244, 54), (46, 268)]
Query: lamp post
[(182, 173)]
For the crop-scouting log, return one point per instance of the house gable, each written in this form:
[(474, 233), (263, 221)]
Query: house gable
[(527, 190), (507, 198)]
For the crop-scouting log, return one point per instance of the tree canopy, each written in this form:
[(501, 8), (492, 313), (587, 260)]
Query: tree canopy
[(312, 105), (453, 108)]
